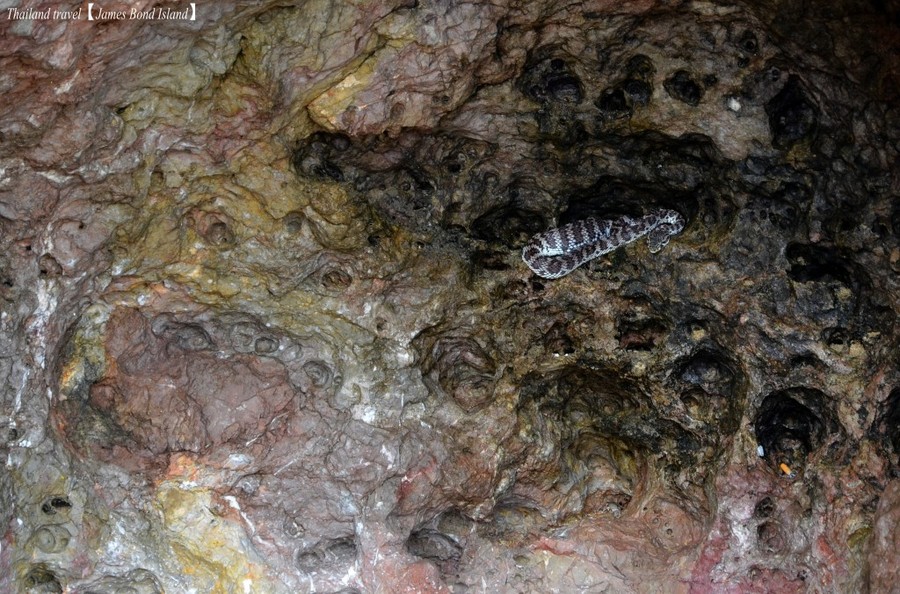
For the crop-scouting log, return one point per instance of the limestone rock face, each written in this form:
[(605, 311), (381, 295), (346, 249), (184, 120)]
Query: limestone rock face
[(266, 327)]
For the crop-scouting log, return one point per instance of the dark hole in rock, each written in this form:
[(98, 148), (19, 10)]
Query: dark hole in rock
[(551, 80), (812, 263), (764, 508), (330, 556), (610, 502), (681, 166), (213, 227), (316, 156), (638, 91), (794, 193), (342, 549), (641, 67), (749, 43), (564, 88), (514, 290), (243, 336), (778, 213), (437, 547), (710, 370), (293, 221), (48, 266), (792, 423), (319, 373), (190, 337), (309, 561), (805, 360), (265, 345), (421, 182), (769, 537), (606, 198), (56, 505), (592, 400), (846, 298), (613, 104), (218, 233), (512, 516), (336, 280), (490, 260), (682, 86), (508, 226), (561, 127), (558, 341), (40, 580), (792, 116), (464, 371), (640, 335), (836, 337)]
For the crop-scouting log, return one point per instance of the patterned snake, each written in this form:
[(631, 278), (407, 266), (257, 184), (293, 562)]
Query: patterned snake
[(557, 252)]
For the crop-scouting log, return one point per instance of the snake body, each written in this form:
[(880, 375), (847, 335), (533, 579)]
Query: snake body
[(557, 252)]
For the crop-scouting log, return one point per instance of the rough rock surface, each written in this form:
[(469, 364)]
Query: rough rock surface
[(265, 327)]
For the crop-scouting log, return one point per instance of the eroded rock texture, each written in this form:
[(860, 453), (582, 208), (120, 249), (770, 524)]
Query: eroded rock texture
[(265, 325)]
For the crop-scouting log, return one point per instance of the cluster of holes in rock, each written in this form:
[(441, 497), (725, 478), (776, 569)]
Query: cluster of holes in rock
[(47, 538), (416, 179), (770, 537), (501, 213), (109, 421), (56, 505)]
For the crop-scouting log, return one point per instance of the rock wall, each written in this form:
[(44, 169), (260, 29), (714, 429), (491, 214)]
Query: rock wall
[(266, 328)]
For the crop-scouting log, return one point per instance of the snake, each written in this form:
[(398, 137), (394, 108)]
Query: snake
[(557, 252)]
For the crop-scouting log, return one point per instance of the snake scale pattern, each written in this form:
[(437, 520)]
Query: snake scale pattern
[(557, 252)]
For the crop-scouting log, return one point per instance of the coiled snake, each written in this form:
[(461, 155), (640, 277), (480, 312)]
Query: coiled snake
[(557, 252)]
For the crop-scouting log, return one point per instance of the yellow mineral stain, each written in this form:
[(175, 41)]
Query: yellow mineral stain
[(212, 548), (328, 107)]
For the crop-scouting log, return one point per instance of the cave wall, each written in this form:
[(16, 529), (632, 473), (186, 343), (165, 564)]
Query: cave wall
[(266, 327)]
